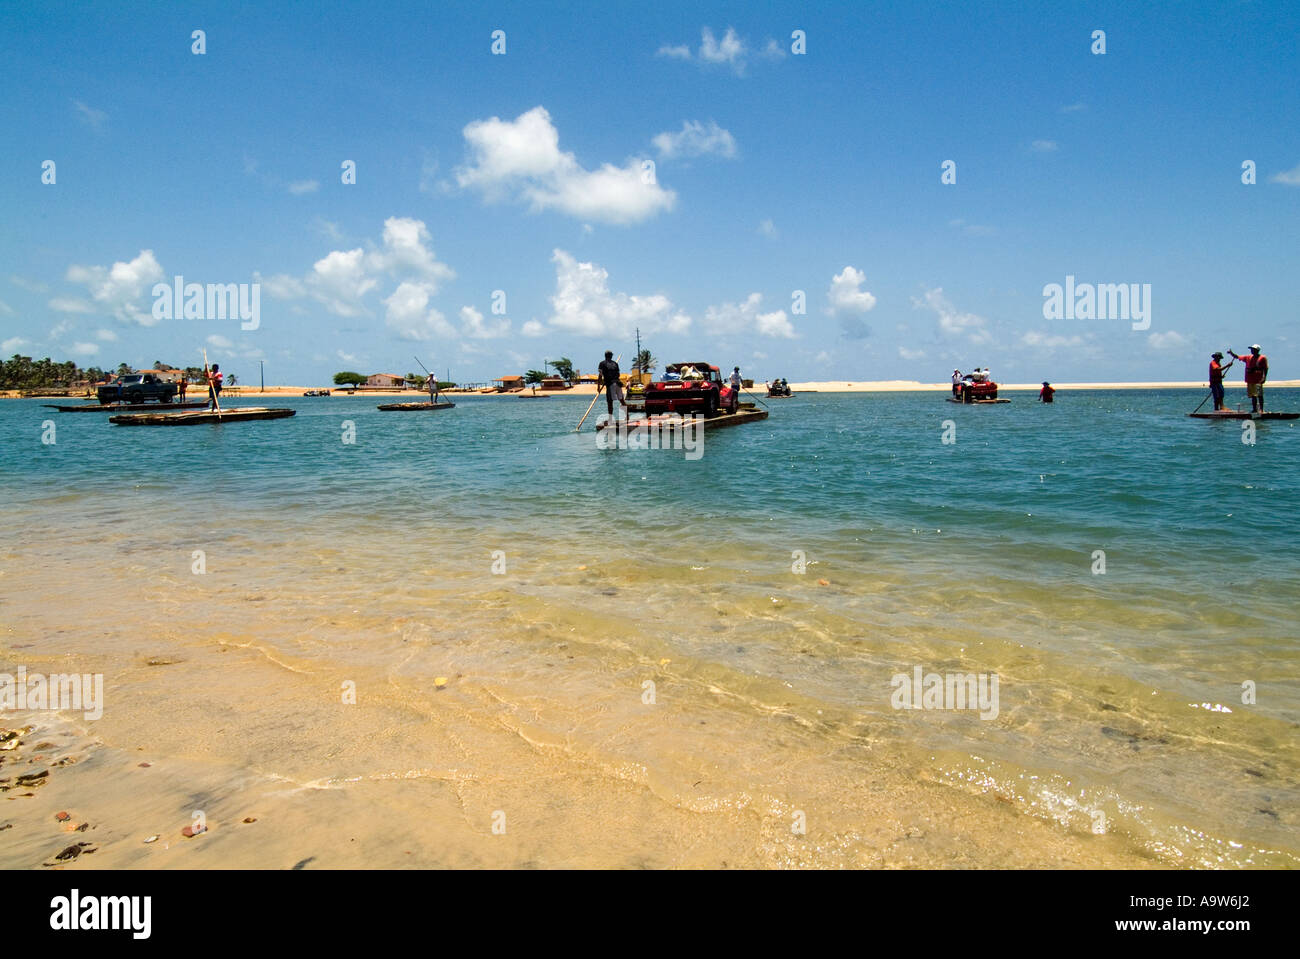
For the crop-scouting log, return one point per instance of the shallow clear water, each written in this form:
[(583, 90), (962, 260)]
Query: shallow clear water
[(375, 560)]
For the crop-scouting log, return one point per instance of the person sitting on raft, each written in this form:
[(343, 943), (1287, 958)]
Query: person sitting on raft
[(1047, 392)]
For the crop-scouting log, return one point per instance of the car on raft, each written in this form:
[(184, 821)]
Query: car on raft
[(136, 388), (691, 388), (975, 391)]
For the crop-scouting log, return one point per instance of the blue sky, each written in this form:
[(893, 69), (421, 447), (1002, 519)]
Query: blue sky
[(774, 172)]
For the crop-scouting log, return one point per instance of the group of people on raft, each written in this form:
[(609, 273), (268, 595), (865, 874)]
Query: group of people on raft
[(1256, 368)]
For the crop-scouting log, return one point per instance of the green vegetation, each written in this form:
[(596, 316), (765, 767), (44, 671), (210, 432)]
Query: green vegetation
[(24, 373), (348, 378), (563, 366), (644, 362)]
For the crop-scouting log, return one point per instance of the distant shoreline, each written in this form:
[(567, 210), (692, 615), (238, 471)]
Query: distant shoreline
[(822, 386)]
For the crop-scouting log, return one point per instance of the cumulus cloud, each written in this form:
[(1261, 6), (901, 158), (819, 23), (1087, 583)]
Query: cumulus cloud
[(731, 51), (409, 315), (220, 342), (71, 304), (532, 328), (521, 158), (476, 327), (106, 336), (299, 187), (1043, 146), (745, 317), (951, 320), (13, 344), (1289, 177), (83, 349), (341, 279), (584, 304), (1050, 340), (846, 294), (768, 229), (1169, 341), (117, 289), (695, 139)]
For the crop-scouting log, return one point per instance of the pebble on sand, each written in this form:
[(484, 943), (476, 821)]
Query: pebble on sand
[(62, 816), (439, 682), (189, 832)]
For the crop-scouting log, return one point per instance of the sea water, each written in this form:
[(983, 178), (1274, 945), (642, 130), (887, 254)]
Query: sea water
[(474, 637)]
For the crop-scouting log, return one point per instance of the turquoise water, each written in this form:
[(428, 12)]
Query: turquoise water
[(976, 555)]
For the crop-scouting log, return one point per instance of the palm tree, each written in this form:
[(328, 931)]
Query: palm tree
[(644, 362)]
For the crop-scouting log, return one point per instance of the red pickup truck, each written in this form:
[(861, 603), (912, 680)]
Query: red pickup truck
[(690, 388)]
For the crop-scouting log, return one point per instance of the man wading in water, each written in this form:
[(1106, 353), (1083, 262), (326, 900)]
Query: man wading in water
[(609, 375)]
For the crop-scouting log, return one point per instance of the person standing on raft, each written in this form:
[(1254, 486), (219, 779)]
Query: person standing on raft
[(1256, 374), (609, 376), (433, 388), (1047, 392), (215, 376), (956, 384), (1217, 369)]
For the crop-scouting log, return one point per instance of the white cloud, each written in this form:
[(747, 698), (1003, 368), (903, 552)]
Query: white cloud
[(846, 294), (1074, 108), (522, 157), (474, 325), (220, 342), (346, 357), (410, 316), (13, 345), (339, 281), (119, 288), (907, 354), (1169, 341), (1050, 340), (31, 286), (680, 52), (106, 336), (822, 357), (299, 187), (583, 304), (406, 254), (532, 328), (695, 139), (734, 318), (83, 349), (768, 229), (342, 279), (1289, 177), (1043, 146), (89, 115), (731, 49), (70, 304), (5, 308), (951, 320), (328, 229)]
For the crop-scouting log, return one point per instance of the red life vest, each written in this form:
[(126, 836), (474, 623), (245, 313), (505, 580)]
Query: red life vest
[(1255, 368)]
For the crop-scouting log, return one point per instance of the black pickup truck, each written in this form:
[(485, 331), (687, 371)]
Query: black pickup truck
[(136, 388)]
